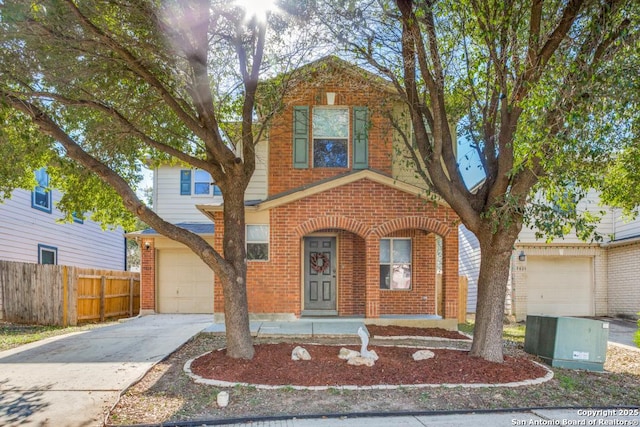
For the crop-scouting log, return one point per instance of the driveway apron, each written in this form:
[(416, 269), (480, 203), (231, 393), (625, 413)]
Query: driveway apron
[(73, 380)]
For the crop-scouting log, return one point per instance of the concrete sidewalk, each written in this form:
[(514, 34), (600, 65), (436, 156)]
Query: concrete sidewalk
[(73, 380), (540, 417)]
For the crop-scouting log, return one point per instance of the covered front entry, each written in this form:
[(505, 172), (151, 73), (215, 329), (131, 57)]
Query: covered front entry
[(320, 267)]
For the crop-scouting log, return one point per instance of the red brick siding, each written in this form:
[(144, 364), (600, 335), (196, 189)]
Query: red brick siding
[(351, 280), (366, 212), (350, 92), (148, 275), (423, 278)]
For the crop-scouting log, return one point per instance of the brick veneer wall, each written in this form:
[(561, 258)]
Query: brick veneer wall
[(148, 276), (624, 280), (359, 213), (350, 92)]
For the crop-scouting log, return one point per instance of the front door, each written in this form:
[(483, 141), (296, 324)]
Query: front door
[(320, 276)]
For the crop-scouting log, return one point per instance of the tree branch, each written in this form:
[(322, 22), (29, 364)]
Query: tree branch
[(136, 65), (49, 127)]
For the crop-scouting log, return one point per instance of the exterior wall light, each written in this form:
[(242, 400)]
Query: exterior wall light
[(522, 256)]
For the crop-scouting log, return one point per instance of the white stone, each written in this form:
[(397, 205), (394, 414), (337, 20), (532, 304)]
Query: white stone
[(223, 399), (347, 354), (361, 361), (300, 353), (423, 355), (371, 354)]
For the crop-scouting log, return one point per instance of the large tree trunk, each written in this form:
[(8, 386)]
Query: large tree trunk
[(495, 260), (234, 285)]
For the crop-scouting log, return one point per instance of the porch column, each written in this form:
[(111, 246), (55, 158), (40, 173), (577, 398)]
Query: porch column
[(372, 291), (450, 280), (147, 276)]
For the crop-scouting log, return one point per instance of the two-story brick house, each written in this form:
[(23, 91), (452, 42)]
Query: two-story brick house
[(336, 223)]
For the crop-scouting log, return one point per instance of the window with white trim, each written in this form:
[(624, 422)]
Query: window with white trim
[(41, 196), (257, 242), (330, 128), (47, 255), (395, 264), (197, 182)]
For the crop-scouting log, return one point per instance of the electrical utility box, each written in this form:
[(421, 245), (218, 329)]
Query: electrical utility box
[(568, 342)]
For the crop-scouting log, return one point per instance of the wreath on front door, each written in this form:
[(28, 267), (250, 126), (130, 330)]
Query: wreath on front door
[(319, 262)]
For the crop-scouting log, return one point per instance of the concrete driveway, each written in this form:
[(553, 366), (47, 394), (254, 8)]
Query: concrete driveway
[(622, 331), (73, 380)]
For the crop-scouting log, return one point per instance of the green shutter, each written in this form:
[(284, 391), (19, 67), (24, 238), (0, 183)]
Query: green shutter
[(185, 182), (301, 137), (360, 138)]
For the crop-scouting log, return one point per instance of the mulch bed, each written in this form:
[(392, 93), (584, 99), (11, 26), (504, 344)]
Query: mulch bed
[(272, 365)]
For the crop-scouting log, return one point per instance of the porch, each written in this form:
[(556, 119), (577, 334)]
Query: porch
[(335, 326)]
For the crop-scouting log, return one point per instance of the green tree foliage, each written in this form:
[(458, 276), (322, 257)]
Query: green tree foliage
[(94, 90), (542, 91)]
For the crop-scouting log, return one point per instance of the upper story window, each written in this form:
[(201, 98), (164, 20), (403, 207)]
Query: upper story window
[(77, 217), (41, 196), (197, 182), (330, 137), (47, 255), (339, 137)]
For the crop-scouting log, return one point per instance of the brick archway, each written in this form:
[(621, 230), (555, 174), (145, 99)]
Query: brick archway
[(338, 222), (412, 222)]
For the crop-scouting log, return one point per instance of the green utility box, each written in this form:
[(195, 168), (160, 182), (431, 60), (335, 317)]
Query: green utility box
[(568, 342)]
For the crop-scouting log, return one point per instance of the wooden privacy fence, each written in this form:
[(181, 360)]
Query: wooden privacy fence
[(463, 290), (63, 295)]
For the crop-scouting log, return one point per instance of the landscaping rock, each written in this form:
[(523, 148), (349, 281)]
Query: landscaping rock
[(361, 361), (423, 355), (347, 354), (300, 353), (370, 354)]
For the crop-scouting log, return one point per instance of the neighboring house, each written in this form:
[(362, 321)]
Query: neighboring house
[(469, 264), (336, 223), (31, 232), (570, 277)]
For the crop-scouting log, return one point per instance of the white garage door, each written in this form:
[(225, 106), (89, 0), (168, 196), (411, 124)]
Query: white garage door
[(185, 283), (560, 286)]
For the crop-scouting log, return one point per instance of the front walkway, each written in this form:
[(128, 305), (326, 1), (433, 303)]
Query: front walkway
[(333, 326), (301, 327)]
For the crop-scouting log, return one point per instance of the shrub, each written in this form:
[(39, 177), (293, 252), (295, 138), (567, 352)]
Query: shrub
[(637, 337)]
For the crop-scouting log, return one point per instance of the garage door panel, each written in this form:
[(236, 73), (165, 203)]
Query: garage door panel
[(560, 286), (185, 283)]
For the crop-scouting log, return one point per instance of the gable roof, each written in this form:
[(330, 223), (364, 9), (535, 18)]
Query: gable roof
[(329, 63), (325, 185)]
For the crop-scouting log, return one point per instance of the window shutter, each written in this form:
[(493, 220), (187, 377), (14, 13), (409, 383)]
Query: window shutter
[(185, 182), (360, 138), (301, 137)]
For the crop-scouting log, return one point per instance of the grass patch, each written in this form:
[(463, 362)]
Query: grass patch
[(511, 331), (13, 335), (514, 332)]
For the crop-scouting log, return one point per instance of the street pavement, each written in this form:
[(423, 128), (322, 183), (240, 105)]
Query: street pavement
[(73, 380)]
